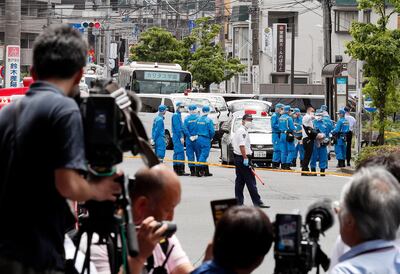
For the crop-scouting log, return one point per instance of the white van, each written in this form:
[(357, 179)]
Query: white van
[(151, 102)]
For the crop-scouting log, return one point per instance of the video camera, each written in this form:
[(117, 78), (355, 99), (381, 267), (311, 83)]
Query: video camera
[(296, 247), (111, 127)]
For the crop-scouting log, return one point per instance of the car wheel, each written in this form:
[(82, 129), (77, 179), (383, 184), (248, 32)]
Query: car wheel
[(168, 140)]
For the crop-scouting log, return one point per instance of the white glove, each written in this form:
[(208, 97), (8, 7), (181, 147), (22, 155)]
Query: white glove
[(151, 142), (182, 140), (193, 138)]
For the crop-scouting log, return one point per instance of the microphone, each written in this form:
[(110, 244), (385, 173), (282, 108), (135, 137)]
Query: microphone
[(320, 217)]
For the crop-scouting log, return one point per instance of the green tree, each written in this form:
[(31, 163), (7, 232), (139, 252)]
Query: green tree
[(379, 48), (156, 45), (208, 64)]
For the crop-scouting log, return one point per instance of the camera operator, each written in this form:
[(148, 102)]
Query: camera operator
[(242, 238), (369, 216), (42, 157), (156, 192)]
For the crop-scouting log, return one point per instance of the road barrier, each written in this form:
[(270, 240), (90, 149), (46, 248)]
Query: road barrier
[(332, 173)]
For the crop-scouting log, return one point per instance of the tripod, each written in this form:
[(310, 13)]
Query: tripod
[(112, 229)]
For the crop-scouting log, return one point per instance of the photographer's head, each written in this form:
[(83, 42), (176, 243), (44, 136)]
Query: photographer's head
[(370, 208), (242, 238), (59, 55), (156, 192)]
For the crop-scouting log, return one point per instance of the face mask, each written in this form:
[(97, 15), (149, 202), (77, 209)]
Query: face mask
[(248, 124), (205, 113), (312, 113)]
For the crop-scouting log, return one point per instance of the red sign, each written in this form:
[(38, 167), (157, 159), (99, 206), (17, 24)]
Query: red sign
[(13, 52), (6, 93)]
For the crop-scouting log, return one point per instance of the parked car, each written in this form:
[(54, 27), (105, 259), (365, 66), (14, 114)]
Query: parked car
[(260, 137)]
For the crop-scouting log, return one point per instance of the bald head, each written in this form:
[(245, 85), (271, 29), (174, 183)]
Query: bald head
[(155, 192)]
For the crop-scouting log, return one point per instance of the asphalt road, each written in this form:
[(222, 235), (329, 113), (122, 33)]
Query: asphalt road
[(284, 192)]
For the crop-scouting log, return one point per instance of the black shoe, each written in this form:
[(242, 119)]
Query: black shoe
[(313, 170), (275, 165), (338, 164), (262, 205), (348, 164), (287, 167), (342, 163), (304, 173), (200, 171), (182, 171), (322, 170), (176, 169), (207, 172), (192, 170)]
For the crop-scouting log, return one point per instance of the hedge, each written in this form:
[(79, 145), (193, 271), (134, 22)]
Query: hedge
[(371, 151)]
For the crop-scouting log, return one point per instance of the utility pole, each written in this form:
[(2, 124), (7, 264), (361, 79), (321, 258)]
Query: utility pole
[(327, 31), (255, 45), (49, 13), (12, 33), (359, 94), (292, 58), (107, 40)]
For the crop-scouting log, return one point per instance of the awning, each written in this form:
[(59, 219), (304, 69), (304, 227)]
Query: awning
[(333, 70)]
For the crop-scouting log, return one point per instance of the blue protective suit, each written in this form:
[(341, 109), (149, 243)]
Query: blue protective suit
[(320, 151), (276, 156), (299, 149), (205, 131), (158, 136), (287, 148), (190, 129), (341, 129), (177, 134)]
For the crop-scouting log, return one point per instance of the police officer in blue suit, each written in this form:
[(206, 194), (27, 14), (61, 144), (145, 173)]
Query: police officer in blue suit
[(298, 124), (340, 131), (205, 133), (286, 127), (276, 156), (178, 140), (320, 152), (158, 133), (190, 130)]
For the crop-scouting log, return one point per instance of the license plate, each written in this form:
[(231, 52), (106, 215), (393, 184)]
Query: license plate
[(260, 154)]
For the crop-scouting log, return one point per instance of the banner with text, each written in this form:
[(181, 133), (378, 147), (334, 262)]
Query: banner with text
[(279, 35), (12, 63)]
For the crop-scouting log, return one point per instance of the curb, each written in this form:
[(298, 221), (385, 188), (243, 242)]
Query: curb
[(346, 170)]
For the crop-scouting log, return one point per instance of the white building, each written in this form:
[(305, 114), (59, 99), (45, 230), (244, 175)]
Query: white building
[(309, 53)]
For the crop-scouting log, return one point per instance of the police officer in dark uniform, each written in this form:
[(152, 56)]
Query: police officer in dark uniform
[(244, 174)]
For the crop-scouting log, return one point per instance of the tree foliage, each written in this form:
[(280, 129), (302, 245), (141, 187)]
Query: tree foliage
[(379, 48), (208, 63), (156, 45)]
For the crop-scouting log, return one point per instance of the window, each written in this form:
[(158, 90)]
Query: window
[(150, 104), (27, 40), (1, 38), (283, 17), (169, 105), (344, 18)]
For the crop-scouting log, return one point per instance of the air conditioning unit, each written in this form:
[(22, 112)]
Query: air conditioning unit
[(317, 82)]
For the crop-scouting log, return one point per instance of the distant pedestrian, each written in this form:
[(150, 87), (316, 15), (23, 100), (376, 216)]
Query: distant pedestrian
[(340, 132), (178, 139), (276, 156), (349, 137), (242, 157), (190, 130), (308, 139), (205, 132), (158, 133)]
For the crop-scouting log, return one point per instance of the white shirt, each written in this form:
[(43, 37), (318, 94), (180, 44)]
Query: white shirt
[(352, 121), (308, 122), (241, 138)]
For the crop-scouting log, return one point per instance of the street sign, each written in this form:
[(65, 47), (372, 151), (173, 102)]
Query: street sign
[(12, 66), (367, 105), (341, 85), (78, 26)]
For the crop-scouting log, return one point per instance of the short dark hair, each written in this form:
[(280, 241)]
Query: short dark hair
[(58, 52), (391, 162), (243, 236), (310, 107), (146, 183)]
